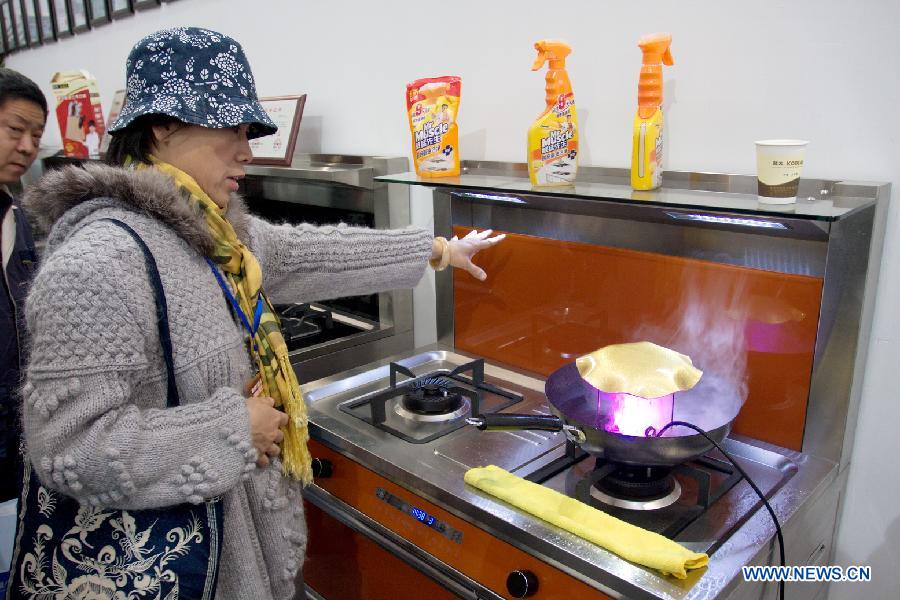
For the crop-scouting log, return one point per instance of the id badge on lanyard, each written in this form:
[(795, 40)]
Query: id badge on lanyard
[(257, 312), (254, 387)]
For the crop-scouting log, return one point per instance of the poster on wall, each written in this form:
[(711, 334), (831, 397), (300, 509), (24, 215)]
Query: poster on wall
[(71, 113), (278, 149), (79, 113)]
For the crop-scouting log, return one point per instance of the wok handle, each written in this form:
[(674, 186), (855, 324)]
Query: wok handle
[(501, 421)]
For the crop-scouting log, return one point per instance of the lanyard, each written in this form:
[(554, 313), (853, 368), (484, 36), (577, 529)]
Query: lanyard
[(257, 313)]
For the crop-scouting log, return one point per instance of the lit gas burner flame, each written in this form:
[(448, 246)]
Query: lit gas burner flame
[(632, 415)]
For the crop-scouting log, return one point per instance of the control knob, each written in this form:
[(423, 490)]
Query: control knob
[(322, 468), (522, 584)]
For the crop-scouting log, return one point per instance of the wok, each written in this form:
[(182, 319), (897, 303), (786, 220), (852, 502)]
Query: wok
[(573, 402)]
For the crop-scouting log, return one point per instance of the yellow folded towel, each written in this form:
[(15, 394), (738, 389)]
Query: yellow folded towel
[(628, 541)]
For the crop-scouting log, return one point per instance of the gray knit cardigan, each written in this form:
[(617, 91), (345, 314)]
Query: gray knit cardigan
[(94, 414)]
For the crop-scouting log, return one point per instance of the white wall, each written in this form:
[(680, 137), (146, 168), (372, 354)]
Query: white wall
[(822, 70)]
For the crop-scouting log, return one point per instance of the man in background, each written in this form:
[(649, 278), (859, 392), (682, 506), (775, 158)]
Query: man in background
[(23, 114)]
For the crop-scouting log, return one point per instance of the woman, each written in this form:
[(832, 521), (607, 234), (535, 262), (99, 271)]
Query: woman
[(95, 420)]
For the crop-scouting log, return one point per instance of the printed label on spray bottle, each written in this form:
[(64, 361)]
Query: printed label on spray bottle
[(554, 143), (647, 153)]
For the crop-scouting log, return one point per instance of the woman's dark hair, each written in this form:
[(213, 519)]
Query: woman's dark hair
[(136, 140)]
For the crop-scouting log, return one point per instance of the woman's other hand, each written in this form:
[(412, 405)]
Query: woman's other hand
[(266, 422), (462, 251)]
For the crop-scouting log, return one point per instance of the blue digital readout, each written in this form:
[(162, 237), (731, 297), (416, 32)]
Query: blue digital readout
[(421, 515)]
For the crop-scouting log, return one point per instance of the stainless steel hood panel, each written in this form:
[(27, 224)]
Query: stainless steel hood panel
[(356, 171), (435, 471), (355, 176)]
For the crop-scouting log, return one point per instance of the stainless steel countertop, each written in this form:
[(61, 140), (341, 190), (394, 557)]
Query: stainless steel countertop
[(435, 471)]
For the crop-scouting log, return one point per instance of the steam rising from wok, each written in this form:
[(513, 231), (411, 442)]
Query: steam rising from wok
[(716, 344)]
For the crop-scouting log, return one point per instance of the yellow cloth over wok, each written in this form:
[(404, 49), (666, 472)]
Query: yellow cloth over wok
[(641, 369), (628, 541)]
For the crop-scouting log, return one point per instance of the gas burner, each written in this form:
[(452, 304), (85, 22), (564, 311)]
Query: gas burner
[(460, 412), (432, 400), (634, 488), (433, 396), (699, 483)]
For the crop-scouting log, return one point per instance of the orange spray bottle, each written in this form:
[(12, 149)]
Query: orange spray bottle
[(553, 137), (647, 147)]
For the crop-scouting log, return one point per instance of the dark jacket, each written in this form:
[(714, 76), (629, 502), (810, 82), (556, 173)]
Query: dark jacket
[(17, 273)]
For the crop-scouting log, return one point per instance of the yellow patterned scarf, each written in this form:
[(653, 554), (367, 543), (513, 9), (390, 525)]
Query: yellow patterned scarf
[(267, 350)]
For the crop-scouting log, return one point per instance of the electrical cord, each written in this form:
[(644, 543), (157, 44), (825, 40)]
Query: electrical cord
[(749, 481)]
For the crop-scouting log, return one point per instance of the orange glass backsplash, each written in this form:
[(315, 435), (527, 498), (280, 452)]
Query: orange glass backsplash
[(546, 302)]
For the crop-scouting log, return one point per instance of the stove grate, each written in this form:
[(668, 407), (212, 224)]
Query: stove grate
[(466, 379), (711, 479)]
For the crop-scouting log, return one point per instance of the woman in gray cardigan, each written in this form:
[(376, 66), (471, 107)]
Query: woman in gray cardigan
[(95, 417)]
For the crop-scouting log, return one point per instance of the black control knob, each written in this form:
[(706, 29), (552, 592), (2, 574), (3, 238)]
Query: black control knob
[(522, 584), (322, 468)]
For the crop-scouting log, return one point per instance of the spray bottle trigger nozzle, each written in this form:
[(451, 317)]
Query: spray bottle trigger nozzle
[(554, 51), (667, 58)]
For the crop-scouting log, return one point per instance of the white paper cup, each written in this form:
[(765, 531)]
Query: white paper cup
[(778, 167)]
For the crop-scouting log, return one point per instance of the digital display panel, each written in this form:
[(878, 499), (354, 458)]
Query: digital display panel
[(420, 515)]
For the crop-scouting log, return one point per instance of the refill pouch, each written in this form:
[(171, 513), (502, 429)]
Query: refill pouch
[(432, 104)]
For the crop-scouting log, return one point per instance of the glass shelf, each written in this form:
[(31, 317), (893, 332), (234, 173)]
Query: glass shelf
[(819, 200)]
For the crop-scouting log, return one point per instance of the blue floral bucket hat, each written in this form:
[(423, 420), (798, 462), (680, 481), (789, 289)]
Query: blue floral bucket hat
[(197, 76)]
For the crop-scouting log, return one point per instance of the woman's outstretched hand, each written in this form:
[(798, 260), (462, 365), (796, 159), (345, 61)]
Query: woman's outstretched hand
[(462, 250)]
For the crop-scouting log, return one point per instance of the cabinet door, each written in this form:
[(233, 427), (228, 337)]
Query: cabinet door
[(344, 565)]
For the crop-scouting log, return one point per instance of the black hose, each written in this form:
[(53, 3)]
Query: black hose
[(749, 481)]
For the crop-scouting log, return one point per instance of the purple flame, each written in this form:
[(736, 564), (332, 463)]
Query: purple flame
[(633, 415)]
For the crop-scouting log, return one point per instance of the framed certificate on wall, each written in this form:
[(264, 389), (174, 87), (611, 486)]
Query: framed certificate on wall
[(100, 12), (45, 17), (78, 15), (278, 149), (121, 8), (61, 16)]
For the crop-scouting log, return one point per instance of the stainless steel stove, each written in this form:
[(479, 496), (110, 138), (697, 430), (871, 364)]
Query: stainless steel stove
[(593, 264), (405, 421)]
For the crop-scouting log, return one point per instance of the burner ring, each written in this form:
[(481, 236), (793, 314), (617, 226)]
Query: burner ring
[(633, 488), (640, 483), (663, 502), (460, 412), (433, 396)]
